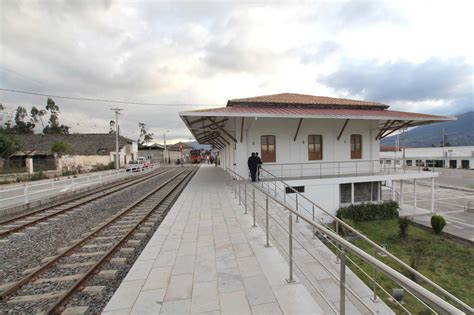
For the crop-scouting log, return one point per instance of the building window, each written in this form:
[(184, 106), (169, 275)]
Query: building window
[(409, 163), (363, 192), (356, 146), (315, 147), (299, 189), (268, 149), (346, 193)]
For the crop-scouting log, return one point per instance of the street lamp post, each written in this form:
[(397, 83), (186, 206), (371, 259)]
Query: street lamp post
[(166, 150), (117, 112)]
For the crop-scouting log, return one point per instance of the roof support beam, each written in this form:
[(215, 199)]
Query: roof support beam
[(210, 125), (209, 136), (222, 129), (384, 128), (242, 130), (397, 128), (298, 129), (196, 121), (214, 136), (342, 130)]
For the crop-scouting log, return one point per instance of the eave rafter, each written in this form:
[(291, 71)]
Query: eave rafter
[(400, 126)]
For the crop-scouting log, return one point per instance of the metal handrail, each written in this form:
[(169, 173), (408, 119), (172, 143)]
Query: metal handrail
[(26, 192), (331, 168), (427, 296), (465, 306)]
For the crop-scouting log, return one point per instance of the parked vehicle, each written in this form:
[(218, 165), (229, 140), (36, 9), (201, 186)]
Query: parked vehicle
[(144, 161), (134, 166)]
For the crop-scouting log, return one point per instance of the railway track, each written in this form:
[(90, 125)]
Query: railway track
[(50, 286), (31, 218)]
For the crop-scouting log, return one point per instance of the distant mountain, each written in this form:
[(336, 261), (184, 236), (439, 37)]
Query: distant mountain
[(458, 133), (197, 146)]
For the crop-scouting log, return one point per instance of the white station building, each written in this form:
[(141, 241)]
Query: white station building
[(326, 148), (448, 157)]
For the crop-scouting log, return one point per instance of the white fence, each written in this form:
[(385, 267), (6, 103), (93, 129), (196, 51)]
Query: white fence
[(32, 191)]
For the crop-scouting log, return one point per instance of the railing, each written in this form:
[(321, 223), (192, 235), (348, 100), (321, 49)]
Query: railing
[(276, 192), (338, 168), (29, 192)]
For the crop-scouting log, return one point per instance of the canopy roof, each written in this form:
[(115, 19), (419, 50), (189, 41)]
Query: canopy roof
[(207, 125)]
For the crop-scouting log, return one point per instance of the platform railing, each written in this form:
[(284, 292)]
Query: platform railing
[(430, 300), (278, 188), (339, 168), (31, 191)]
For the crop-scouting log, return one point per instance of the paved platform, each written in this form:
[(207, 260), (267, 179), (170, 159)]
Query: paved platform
[(206, 258), (451, 203)]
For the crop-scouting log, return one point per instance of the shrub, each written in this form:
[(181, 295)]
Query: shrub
[(369, 211), (403, 224), (59, 147), (38, 176), (437, 223)]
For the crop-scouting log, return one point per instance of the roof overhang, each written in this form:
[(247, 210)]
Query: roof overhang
[(203, 124)]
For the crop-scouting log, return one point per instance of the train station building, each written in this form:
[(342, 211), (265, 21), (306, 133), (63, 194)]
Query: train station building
[(326, 148)]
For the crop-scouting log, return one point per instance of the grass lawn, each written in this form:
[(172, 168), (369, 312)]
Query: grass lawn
[(446, 262)]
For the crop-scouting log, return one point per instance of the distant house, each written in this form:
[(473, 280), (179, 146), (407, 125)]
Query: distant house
[(179, 150), (153, 152), (85, 151)]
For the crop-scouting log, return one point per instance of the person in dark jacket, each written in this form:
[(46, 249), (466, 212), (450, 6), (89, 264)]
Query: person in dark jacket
[(252, 163), (259, 165)]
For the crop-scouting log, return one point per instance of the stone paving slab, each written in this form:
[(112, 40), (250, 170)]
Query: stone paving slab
[(206, 258)]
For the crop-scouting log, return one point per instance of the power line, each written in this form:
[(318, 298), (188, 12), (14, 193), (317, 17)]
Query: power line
[(106, 100)]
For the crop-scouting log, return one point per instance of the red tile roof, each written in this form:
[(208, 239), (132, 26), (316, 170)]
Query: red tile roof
[(311, 112), (292, 99)]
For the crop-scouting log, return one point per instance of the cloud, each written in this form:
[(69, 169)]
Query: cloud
[(433, 79), (206, 52), (325, 50)]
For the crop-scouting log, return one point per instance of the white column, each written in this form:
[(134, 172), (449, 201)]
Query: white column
[(392, 190), (380, 191), (432, 194), (401, 194), (352, 193), (414, 193), (29, 165)]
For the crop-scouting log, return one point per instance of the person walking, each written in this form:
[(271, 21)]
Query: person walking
[(259, 165), (252, 163)]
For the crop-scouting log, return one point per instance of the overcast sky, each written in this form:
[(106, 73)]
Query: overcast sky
[(412, 55)]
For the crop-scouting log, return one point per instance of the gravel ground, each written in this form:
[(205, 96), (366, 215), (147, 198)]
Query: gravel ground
[(96, 302), (26, 249)]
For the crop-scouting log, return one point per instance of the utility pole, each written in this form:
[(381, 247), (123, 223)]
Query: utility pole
[(444, 158), (403, 146), (117, 160)]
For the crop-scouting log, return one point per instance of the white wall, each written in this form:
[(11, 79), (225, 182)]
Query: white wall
[(289, 151), (436, 153)]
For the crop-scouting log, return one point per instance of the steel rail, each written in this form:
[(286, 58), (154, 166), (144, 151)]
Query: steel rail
[(68, 294), (465, 306), (18, 284), (105, 187), (424, 294), (114, 188)]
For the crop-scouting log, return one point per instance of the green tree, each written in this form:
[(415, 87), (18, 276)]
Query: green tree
[(54, 126), (112, 127), (145, 135), (20, 125), (60, 147), (36, 115), (8, 146)]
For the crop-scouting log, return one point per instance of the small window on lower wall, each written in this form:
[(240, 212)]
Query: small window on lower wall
[(363, 192), (299, 189), (346, 193)]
